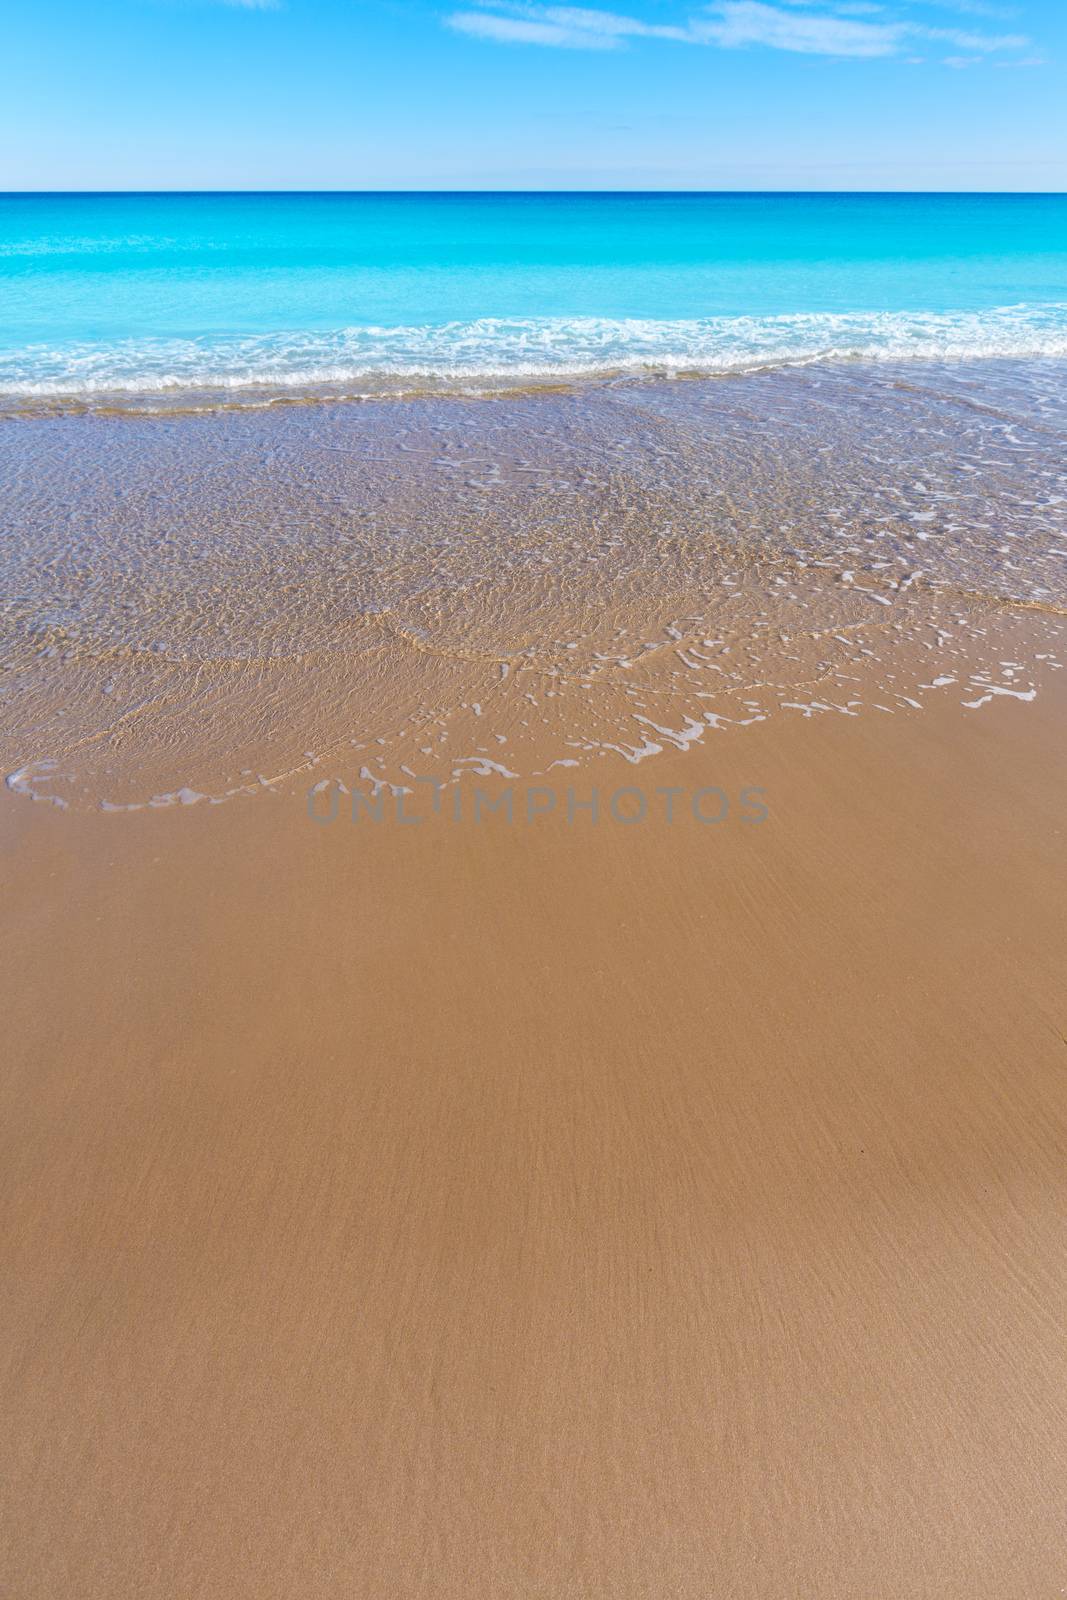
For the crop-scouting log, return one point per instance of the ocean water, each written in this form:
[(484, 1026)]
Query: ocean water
[(190, 297)]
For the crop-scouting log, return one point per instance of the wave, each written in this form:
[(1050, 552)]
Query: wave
[(494, 351)]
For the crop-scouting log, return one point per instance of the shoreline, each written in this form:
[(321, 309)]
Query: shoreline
[(489, 385), (204, 605)]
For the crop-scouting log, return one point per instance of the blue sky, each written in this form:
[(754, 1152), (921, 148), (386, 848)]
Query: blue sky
[(822, 94)]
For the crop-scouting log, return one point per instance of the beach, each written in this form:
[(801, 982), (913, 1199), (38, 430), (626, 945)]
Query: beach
[(537, 1040), (582, 1209), (533, 869)]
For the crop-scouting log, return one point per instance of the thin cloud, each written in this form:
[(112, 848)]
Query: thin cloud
[(737, 23), (849, 28), (565, 27), (608, 23), (974, 41), (521, 30)]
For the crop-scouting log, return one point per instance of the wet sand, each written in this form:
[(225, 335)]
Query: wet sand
[(655, 1210)]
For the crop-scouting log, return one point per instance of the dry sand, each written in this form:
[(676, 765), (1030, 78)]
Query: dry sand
[(496, 1212)]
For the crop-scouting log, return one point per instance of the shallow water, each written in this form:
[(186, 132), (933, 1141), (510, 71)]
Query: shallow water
[(201, 605)]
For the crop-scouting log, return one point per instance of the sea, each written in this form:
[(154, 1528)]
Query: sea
[(193, 298)]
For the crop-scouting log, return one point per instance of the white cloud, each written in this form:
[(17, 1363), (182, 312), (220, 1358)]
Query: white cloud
[(566, 27), (745, 22), (975, 41), (520, 30), (840, 28), (608, 23)]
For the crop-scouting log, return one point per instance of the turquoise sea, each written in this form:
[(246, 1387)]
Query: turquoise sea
[(172, 294)]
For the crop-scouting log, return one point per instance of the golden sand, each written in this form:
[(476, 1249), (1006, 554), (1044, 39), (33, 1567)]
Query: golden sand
[(400, 1213)]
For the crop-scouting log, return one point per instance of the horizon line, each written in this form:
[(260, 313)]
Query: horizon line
[(57, 193)]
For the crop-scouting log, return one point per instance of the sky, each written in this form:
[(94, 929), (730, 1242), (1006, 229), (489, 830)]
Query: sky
[(512, 94)]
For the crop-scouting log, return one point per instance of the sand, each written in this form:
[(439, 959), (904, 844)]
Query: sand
[(657, 1211)]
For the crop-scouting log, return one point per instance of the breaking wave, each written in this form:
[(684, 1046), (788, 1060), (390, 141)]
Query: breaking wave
[(487, 353)]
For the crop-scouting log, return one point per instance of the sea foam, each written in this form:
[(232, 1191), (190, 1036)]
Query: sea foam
[(490, 352)]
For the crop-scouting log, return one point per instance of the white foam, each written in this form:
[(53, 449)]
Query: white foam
[(993, 689), (493, 349), (27, 781)]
